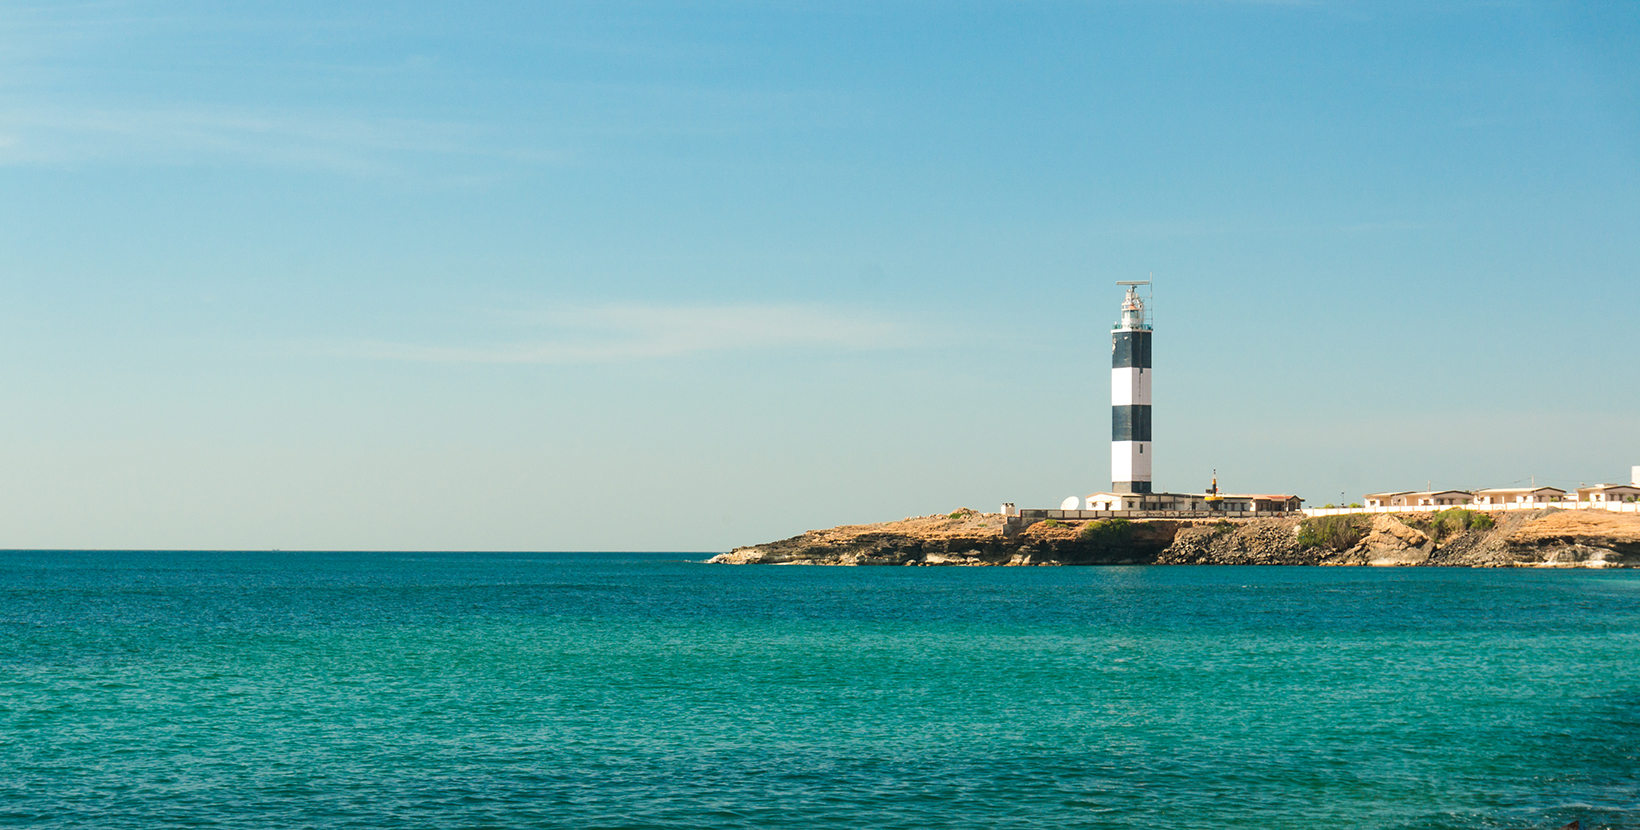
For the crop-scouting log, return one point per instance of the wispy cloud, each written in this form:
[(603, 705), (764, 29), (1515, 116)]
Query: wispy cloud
[(627, 333), (133, 83), (1203, 228), (190, 135)]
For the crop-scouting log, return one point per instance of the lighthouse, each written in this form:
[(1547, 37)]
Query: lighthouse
[(1130, 449)]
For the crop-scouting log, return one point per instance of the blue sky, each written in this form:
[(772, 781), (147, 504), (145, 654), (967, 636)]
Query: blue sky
[(682, 276)]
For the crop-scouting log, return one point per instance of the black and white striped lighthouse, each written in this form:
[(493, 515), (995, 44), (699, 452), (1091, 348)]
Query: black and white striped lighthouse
[(1130, 452)]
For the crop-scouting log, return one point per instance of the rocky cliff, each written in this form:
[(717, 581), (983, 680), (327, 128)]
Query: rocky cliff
[(1543, 538)]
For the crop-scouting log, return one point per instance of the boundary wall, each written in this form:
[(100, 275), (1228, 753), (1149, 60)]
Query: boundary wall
[(1027, 517), (1613, 506), (1084, 515)]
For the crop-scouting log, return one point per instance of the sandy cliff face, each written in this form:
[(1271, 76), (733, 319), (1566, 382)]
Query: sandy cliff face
[(1547, 538), (1551, 538)]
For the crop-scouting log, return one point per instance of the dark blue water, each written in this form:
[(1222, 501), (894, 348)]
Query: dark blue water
[(601, 691)]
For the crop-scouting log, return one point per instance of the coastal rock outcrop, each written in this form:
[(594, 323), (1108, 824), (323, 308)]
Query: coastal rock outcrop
[(1549, 538), (1247, 542), (1542, 538)]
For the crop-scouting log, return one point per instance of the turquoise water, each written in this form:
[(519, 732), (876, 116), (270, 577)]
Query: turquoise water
[(264, 690)]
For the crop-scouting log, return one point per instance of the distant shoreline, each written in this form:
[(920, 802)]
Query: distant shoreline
[(1538, 538)]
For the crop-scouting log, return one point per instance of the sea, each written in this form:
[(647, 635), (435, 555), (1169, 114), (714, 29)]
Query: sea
[(642, 690)]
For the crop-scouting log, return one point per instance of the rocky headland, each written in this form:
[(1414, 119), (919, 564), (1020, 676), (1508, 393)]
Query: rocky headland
[(1456, 538)]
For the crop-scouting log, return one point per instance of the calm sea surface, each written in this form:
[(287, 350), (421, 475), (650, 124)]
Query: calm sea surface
[(262, 690)]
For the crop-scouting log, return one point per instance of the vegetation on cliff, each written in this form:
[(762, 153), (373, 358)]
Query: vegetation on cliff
[(1336, 533), (1107, 532), (1450, 522)]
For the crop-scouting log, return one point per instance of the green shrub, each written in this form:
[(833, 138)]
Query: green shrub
[(1223, 526), (957, 515), (1457, 520), (1339, 533), (1449, 522), (1107, 532), (1053, 523)]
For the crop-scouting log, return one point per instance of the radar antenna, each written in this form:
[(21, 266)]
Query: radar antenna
[(1133, 306)]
